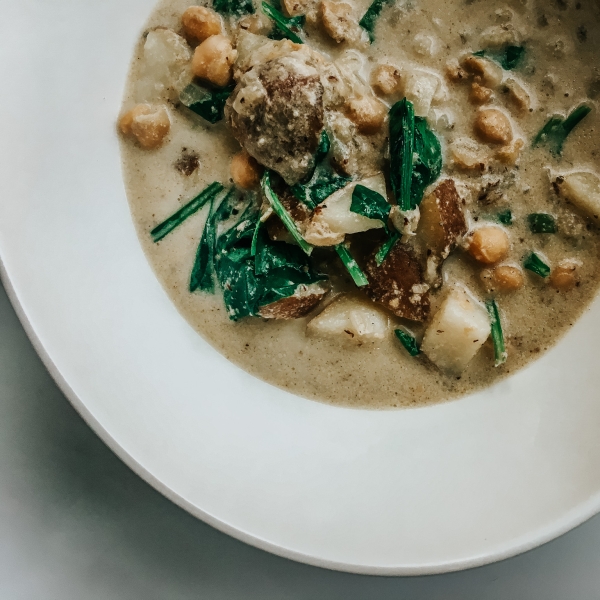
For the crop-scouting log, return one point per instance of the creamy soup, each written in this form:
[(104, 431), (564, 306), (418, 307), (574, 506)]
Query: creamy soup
[(457, 239)]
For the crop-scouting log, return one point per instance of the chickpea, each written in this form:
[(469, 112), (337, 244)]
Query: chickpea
[(480, 94), (485, 71), (493, 126), (150, 125), (489, 244), (367, 113), (507, 278), (565, 276), (213, 59), (338, 21), (199, 23), (245, 171), (386, 80)]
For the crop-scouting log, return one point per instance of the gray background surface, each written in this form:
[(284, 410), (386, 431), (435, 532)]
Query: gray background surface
[(77, 524)]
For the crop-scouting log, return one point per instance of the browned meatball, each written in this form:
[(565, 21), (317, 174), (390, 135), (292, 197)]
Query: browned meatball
[(276, 114), (398, 284)]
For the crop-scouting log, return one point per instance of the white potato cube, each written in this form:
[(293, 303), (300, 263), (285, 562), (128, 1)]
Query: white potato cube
[(458, 330), (352, 318), (582, 189), (335, 215), (422, 88), (165, 69)]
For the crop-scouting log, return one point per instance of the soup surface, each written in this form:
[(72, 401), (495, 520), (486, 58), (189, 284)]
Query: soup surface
[(484, 78)]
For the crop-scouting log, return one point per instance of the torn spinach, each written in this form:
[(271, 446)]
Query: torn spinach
[(415, 155), (541, 223), (370, 204), (554, 133), (324, 182), (235, 8), (369, 19), (408, 341), (536, 265), (288, 27), (509, 57), (206, 103)]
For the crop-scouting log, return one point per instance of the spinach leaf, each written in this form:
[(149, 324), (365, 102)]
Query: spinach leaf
[(500, 353), (206, 103), (415, 155), (202, 271), (509, 57), (193, 206), (285, 25), (357, 274), (241, 290), (323, 148), (236, 8), (370, 204), (536, 265), (369, 19), (541, 223), (555, 131), (408, 341), (505, 217), (323, 183), (386, 248)]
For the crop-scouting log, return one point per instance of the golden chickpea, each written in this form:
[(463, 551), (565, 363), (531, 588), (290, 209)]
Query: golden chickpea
[(213, 60), (480, 94), (150, 125), (486, 71), (367, 113), (386, 80), (564, 276), (489, 244), (245, 171), (454, 72), (493, 126), (199, 23), (506, 278)]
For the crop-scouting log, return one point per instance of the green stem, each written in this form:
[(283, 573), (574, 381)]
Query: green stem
[(280, 211), (408, 341), (359, 278), (386, 248), (281, 22), (500, 353), (207, 195)]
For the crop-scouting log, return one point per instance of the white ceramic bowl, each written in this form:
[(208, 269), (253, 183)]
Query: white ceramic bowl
[(405, 492)]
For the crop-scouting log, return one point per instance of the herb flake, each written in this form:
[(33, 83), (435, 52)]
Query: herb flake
[(235, 8), (541, 223), (369, 19)]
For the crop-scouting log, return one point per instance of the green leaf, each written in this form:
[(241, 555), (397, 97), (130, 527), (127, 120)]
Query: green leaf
[(206, 195), (427, 163), (536, 265), (369, 19), (241, 291), (541, 223), (243, 230), (408, 341), (509, 57), (554, 133), (359, 278), (415, 155), (323, 148), (323, 183), (370, 204), (505, 217), (500, 353), (201, 277), (285, 24), (280, 211), (206, 103), (402, 139), (235, 8), (386, 248)]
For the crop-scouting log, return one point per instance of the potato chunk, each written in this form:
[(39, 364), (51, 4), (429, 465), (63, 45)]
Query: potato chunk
[(352, 318), (398, 284), (582, 189), (304, 299), (442, 220), (334, 213), (458, 330)]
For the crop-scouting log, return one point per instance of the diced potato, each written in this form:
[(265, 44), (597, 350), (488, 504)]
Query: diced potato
[(456, 333), (165, 66), (335, 211), (468, 155), (352, 318), (582, 189), (442, 219), (422, 88)]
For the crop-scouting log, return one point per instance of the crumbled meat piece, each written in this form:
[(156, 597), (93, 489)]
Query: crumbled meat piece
[(367, 113), (339, 22), (486, 72), (442, 220), (509, 155), (398, 284), (276, 114), (187, 163), (466, 154), (386, 80), (480, 94), (305, 299)]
